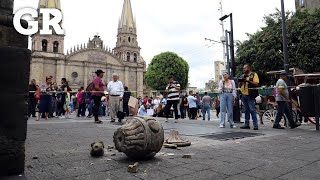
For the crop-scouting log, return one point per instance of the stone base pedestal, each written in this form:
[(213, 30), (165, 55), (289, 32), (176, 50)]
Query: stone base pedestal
[(14, 78)]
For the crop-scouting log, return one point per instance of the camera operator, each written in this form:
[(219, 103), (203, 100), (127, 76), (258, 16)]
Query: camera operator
[(249, 80)]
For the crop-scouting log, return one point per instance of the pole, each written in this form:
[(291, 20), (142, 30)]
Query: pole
[(233, 64), (285, 40), (223, 33), (227, 51)]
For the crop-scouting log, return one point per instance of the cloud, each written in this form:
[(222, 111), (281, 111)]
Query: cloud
[(166, 25)]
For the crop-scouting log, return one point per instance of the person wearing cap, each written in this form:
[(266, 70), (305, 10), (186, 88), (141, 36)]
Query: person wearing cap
[(116, 91), (97, 93), (228, 94), (282, 98)]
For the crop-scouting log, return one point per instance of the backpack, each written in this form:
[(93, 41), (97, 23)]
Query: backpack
[(253, 92), (90, 87)]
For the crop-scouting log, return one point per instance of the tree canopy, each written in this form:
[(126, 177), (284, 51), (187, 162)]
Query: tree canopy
[(164, 65), (263, 50)]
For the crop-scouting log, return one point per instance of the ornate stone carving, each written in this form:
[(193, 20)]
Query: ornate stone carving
[(139, 138)]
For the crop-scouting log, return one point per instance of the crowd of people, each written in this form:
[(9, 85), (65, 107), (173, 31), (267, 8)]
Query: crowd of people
[(112, 99)]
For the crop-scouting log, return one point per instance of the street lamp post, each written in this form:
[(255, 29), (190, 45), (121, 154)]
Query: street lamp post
[(227, 51), (236, 109), (285, 40), (233, 65)]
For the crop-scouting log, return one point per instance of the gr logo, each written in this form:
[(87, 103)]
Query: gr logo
[(50, 17)]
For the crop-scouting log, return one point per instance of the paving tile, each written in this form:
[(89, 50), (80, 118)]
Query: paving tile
[(208, 174), (241, 177), (177, 171)]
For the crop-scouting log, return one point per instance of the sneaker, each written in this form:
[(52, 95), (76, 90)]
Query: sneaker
[(255, 128), (113, 120), (62, 117), (176, 121), (203, 119), (278, 127), (233, 126), (245, 127), (166, 120), (222, 126)]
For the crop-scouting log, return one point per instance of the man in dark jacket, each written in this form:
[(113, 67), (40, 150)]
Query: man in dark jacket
[(32, 99), (126, 97)]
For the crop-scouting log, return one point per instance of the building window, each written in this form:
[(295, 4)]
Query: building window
[(129, 39), (128, 56), (44, 45), (135, 57), (55, 47)]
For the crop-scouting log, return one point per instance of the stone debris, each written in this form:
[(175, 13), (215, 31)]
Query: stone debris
[(133, 168), (178, 148), (110, 150), (109, 159), (171, 146), (174, 138), (110, 147), (92, 164), (113, 154), (29, 166), (35, 157), (170, 154), (187, 156)]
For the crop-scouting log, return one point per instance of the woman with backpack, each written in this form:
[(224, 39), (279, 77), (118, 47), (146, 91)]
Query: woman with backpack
[(216, 105), (81, 102)]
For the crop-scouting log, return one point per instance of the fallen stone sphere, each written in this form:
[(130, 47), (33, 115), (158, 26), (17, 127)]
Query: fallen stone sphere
[(139, 138)]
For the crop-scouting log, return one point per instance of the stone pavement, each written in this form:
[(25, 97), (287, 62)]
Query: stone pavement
[(59, 149)]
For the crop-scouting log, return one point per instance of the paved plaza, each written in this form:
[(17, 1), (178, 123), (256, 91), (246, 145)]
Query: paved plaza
[(60, 149)]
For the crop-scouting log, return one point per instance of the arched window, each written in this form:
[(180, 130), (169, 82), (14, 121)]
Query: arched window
[(44, 45), (129, 39), (55, 46), (128, 56), (135, 57)]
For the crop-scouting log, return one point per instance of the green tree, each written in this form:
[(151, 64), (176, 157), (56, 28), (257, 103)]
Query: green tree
[(263, 49), (164, 65)]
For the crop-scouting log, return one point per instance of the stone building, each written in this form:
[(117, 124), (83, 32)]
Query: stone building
[(218, 67), (309, 4), (79, 63)]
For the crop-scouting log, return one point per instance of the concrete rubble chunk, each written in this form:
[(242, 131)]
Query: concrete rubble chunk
[(171, 146), (133, 168), (174, 138), (187, 156)]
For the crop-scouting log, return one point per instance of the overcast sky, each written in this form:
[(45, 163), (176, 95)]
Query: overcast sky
[(180, 26)]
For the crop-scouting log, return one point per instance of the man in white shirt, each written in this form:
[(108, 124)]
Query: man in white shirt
[(116, 90), (192, 101)]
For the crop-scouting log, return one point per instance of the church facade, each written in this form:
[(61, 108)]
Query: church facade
[(79, 64)]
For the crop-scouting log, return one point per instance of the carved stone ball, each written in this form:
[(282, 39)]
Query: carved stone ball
[(97, 149), (139, 138)]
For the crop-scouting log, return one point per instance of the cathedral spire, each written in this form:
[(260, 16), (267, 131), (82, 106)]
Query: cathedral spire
[(127, 19), (49, 4)]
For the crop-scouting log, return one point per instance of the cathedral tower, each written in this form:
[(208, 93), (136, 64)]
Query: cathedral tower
[(48, 43), (127, 47)]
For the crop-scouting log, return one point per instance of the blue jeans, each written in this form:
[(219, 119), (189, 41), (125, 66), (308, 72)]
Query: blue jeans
[(206, 109), (226, 104), (250, 108)]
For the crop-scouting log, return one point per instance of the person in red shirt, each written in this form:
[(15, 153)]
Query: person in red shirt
[(98, 89)]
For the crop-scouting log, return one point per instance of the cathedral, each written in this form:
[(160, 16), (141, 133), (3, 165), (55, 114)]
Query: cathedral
[(79, 64)]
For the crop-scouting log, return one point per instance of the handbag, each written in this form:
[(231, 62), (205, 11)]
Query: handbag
[(120, 115)]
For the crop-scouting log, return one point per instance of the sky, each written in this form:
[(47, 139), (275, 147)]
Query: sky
[(180, 26)]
